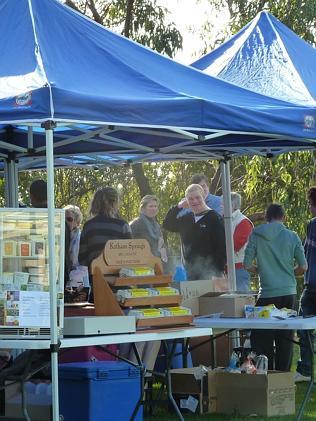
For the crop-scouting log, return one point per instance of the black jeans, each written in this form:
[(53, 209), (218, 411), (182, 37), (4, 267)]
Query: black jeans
[(307, 308), (275, 344)]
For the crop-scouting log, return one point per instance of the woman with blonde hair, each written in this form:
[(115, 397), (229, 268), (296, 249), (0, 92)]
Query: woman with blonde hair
[(73, 218), (147, 227), (104, 225)]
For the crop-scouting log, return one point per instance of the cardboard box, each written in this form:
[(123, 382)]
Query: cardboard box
[(187, 382), (231, 305), (195, 289), (248, 394), (193, 305), (39, 405)]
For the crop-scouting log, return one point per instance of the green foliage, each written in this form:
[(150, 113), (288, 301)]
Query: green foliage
[(297, 15), (284, 179), (149, 26), (2, 191)]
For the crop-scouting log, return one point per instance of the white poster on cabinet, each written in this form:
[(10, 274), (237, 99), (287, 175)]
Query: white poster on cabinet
[(34, 309)]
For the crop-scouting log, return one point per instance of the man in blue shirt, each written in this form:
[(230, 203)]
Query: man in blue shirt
[(308, 297), (212, 201)]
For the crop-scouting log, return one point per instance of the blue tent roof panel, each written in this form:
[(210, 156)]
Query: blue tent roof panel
[(67, 68), (266, 57)]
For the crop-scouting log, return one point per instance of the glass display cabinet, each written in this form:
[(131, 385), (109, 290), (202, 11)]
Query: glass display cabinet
[(24, 272)]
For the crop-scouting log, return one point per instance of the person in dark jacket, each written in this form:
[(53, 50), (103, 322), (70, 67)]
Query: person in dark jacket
[(147, 227), (308, 297), (202, 235), (103, 226)]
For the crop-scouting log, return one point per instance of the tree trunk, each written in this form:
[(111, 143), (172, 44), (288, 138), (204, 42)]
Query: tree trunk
[(215, 187), (138, 170), (141, 180), (128, 18)]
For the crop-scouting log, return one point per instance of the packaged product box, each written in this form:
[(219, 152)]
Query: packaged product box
[(9, 248), (229, 304), (255, 394), (20, 278), (24, 248)]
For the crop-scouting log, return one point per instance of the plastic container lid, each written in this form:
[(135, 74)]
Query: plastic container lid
[(98, 370)]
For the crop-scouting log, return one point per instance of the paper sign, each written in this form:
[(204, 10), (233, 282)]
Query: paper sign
[(191, 403), (27, 309)]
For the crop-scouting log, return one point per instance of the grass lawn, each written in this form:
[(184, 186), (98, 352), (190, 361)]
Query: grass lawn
[(310, 412)]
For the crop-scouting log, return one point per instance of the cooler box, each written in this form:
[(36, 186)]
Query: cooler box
[(99, 391)]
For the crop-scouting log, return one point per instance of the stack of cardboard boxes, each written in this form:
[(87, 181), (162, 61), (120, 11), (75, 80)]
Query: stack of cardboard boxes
[(211, 297), (272, 394)]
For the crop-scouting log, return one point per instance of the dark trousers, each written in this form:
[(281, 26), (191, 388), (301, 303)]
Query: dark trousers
[(307, 308), (275, 344)]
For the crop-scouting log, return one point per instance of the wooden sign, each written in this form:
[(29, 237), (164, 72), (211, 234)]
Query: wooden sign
[(127, 252)]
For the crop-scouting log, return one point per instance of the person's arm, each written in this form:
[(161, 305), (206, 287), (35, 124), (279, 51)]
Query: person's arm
[(83, 248), (127, 232), (299, 257), (250, 255), (242, 233), (137, 229), (171, 222), (218, 234)]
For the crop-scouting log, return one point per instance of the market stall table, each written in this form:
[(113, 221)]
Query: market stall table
[(297, 323), (132, 338)]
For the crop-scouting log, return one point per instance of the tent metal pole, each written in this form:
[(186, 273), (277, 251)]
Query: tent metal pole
[(6, 184), (49, 125), (11, 186), (16, 183), (231, 273)]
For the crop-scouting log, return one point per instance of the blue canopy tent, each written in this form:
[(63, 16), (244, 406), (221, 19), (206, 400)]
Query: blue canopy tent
[(107, 93), (70, 88), (268, 58)]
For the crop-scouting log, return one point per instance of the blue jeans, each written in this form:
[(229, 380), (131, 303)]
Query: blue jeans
[(307, 308), (242, 280)]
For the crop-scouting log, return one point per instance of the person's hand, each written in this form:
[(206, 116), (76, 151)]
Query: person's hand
[(183, 204)]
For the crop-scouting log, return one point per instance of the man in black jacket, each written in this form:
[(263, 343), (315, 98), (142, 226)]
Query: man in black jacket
[(202, 235)]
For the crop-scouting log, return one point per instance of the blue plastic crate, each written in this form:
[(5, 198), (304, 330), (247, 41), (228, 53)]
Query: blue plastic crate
[(99, 391)]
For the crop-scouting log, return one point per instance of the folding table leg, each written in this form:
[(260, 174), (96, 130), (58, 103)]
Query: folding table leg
[(24, 407), (168, 377), (311, 383), (142, 380)]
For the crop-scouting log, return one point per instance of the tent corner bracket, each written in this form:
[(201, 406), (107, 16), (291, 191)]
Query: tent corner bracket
[(48, 125)]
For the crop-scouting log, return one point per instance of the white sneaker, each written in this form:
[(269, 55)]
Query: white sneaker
[(298, 377)]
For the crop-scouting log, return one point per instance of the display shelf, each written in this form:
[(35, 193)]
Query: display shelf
[(24, 293), (142, 280), (106, 279), (38, 257)]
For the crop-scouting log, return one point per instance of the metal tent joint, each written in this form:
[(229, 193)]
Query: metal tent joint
[(12, 157), (49, 125)]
